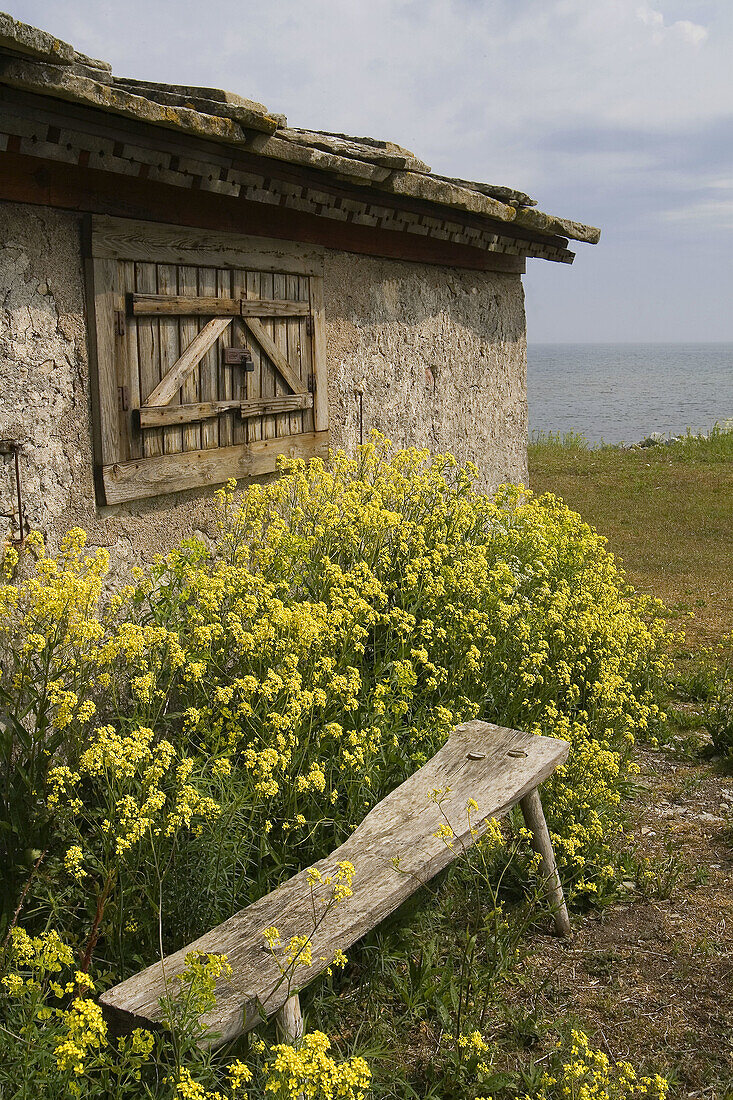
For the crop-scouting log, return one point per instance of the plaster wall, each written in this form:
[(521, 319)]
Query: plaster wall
[(439, 354)]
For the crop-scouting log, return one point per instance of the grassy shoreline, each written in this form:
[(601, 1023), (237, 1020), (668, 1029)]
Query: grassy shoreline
[(666, 511)]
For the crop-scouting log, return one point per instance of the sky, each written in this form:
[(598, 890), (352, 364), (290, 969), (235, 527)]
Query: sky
[(617, 113)]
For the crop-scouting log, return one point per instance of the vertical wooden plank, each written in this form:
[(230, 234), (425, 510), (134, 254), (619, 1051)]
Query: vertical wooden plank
[(209, 364), (254, 382), (169, 349), (280, 337), (224, 290), (268, 370), (239, 378), (102, 278), (132, 370), (148, 345), (320, 363), (189, 328), (306, 350), (124, 415), (294, 348)]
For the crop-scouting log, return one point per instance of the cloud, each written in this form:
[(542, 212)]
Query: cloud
[(650, 17), (694, 33), (714, 212), (603, 110)]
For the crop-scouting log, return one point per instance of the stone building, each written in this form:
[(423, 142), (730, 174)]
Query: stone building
[(191, 287)]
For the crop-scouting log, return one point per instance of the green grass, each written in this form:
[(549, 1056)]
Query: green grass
[(667, 511)]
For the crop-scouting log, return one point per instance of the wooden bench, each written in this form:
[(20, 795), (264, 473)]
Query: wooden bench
[(397, 848)]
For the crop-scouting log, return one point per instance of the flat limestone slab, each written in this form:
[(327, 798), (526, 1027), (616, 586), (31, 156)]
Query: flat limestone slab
[(548, 223), (208, 101), (351, 147), (66, 83), (24, 39), (394, 851)]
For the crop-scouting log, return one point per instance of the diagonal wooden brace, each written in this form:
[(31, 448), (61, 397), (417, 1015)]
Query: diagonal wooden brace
[(272, 352), (174, 378)]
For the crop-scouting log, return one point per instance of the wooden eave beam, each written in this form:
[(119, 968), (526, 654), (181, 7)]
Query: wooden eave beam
[(155, 138), (68, 186)]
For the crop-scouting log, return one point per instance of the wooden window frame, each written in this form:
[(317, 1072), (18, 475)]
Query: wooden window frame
[(117, 401)]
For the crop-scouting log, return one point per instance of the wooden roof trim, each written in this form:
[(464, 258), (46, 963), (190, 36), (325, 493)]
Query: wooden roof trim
[(71, 187), (223, 158)]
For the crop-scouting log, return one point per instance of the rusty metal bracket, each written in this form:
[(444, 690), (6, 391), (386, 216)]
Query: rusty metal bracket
[(359, 394), (13, 447)]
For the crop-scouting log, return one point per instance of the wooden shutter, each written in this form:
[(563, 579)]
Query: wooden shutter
[(210, 356)]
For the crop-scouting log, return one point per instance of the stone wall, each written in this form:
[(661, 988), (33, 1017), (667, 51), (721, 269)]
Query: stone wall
[(439, 354), (46, 402)]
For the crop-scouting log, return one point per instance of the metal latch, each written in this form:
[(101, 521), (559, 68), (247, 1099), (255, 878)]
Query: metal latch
[(238, 357), (119, 322)]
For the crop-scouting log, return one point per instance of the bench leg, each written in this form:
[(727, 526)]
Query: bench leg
[(289, 1021), (541, 843)]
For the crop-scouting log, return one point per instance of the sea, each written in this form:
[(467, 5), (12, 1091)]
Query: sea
[(624, 393)]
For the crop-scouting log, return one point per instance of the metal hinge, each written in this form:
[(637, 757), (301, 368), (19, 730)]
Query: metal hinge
[(309, 325), (119, 322), (311, 382), (123, 398)]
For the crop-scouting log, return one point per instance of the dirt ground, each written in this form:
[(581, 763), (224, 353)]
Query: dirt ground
[(650, 980)]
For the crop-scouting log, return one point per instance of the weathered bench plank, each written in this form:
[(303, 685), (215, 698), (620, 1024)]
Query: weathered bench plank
[(494, 766)]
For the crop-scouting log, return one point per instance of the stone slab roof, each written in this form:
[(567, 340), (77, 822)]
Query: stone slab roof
[(34, 60)]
